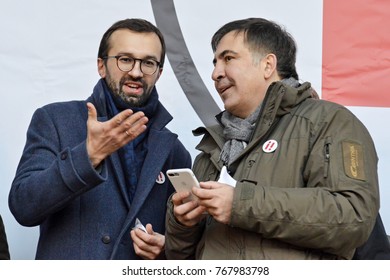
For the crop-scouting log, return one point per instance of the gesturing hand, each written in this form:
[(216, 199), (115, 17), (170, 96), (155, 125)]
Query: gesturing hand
[(104, 138)]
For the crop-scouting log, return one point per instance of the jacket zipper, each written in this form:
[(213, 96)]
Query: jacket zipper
[(328, 142)]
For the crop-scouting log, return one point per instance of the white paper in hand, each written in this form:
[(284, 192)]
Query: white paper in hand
[(225, 178), (139, 225)]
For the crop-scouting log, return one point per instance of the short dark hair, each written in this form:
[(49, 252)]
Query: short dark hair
[(136, 25), (264, 36)]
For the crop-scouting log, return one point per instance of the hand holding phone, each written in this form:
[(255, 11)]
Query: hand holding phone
[(183, 179)]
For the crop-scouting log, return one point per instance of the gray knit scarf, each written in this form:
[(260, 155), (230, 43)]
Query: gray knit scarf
[(238, 131)]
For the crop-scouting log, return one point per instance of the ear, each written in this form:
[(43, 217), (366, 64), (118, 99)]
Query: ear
[(270, 62), (101, 68)]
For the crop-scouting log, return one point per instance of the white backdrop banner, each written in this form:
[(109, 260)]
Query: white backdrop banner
[(48, 53)]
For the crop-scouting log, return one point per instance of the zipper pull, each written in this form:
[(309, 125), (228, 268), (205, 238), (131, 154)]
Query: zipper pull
[(326, 156)]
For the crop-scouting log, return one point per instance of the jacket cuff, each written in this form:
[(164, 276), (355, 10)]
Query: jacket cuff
[(244, 209), (77, 170), (180, 241)]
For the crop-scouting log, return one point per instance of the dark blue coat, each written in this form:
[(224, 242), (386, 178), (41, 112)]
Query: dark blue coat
[(84, 214)]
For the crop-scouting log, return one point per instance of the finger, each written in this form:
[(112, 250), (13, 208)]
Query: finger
[(193, 217), (211, 185), (134, 126), (92, 113), (178, 197), (203, 193), (145, 240), (147, 245), (135, 121), (138, 237), (134, 130), (141, 253), (133, 235), (189, 213), (121, 117)]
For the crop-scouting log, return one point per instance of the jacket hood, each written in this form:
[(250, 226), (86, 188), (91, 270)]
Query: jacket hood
[(281, 99)]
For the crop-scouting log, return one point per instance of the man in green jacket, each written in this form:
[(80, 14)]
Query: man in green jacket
[(283, 175)]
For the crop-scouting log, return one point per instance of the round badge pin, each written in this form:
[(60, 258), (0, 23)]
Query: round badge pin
[(160, 178), (270, 146)]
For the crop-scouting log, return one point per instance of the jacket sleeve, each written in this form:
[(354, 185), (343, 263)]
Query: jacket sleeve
[(50, 175), (180, 241), (335, 209), (4, 252)]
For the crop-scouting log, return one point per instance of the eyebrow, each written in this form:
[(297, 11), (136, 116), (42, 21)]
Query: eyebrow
[(222, 54), (144, 58)]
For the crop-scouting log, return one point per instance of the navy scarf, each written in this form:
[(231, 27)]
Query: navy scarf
[(133, 154)]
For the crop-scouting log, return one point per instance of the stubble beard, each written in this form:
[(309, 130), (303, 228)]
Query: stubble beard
[(131, 100)]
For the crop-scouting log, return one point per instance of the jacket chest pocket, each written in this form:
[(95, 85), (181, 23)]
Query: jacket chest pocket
[(249, 169)]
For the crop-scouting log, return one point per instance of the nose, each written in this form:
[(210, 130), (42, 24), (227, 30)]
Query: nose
[(136, 71), (218, 73)]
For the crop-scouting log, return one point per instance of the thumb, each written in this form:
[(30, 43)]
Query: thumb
[(92, 113), (149, 229)]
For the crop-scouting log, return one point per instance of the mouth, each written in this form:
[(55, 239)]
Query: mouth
[(133, 88), (222, 88)]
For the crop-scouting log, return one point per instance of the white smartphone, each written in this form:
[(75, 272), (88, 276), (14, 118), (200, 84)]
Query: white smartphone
[(183, 179)]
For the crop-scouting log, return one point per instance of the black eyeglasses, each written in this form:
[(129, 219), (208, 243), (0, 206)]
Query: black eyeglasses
[(126, 63)]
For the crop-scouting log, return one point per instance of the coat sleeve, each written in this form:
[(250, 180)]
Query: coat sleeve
[(4, 252), (50, 174), (335, 210)]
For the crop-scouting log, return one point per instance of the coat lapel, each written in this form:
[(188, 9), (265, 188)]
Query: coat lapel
[(120, 176), (159, 146)]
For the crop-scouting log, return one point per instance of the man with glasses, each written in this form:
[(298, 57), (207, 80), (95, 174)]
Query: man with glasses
[(93, 172)]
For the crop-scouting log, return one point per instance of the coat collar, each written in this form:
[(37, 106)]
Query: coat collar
[(279, 100), (160, 120)]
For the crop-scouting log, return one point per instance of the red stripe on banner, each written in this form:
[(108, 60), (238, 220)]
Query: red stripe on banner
[(356, 52)]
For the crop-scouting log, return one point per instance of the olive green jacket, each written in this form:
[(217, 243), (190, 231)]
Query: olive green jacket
[(315, 197)]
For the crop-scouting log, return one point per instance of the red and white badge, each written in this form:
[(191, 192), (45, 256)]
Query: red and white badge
[(270, 146), (160, 178)]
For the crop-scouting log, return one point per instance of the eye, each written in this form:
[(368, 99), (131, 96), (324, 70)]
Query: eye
[(149, 63), (126, 59), (227, 58)]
